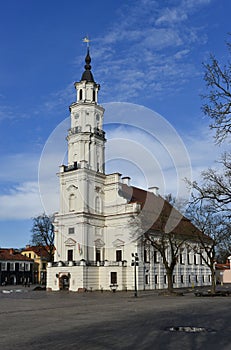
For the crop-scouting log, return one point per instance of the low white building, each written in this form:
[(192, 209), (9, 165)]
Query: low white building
[(101, 216)]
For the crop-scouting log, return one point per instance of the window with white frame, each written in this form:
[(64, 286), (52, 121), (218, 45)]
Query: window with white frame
[(21, 266), (195, 259), (27, 267), (12, 266), (119, 255), (189, 258), (146, 255), (156, 256), (156, 279), (182, 258), (3, 266)]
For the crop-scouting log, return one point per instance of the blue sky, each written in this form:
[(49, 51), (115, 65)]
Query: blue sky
[(144, 52)]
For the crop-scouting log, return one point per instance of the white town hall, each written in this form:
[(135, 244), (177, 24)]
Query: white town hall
[(100, 215)]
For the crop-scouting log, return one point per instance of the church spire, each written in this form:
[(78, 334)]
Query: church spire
[(87, 74)]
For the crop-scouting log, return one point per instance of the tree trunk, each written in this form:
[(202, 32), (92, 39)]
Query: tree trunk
[(170, 282), (213, 276)]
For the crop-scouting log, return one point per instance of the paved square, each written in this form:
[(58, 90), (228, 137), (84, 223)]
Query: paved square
[(63, 320)]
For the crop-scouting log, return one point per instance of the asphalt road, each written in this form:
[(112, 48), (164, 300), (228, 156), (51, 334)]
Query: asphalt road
[(32, 320)]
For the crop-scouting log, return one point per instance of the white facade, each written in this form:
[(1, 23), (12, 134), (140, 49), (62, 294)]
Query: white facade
[(93, 229)]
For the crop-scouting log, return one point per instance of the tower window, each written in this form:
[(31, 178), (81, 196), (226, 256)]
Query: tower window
[(119, 255), (80, 94), (93, 95), (97, 255), (70, 255), (71, 230)]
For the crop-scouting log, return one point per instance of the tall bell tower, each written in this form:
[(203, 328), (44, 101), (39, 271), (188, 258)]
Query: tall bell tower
[(86, 139), (81, 215)]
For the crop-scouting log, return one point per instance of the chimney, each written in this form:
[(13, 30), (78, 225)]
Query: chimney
[(126, 180), (11, 251), (154, 189)]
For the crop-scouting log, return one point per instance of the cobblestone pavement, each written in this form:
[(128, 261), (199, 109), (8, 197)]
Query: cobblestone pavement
[(33, 320)]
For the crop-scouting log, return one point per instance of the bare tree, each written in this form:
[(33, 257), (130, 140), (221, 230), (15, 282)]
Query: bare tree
[(216, 186), (169, 246), (218, 105), (213, 233), (164, 228), (223, 251), (43, 233), (179, 203)]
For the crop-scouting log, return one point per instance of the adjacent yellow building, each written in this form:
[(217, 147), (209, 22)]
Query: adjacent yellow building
[(40, 256)]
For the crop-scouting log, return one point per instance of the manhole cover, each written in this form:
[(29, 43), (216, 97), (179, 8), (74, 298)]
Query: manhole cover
[(188, 329)]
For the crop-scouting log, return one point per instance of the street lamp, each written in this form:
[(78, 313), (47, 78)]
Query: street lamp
[(135, 262)]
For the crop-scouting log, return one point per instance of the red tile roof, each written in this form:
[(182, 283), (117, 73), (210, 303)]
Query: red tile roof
[(159, 214), (222, 266), (39, 250), (11, 254)]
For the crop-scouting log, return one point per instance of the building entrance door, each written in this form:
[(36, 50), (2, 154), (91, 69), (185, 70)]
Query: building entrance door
[(64, 282), (13, 279)]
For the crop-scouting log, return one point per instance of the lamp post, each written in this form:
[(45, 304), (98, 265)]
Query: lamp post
[(135, 262)]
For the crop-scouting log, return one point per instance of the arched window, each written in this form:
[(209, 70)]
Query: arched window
[(80, 94), (93, 95), (72, 202)]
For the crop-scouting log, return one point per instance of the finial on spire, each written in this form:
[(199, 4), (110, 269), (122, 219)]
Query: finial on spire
[(87, 75), (87, 40)]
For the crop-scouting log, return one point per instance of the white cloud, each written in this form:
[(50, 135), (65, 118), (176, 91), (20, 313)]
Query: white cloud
[(22, 202), (171, 16), (148, 52), (142, 145), (7, 112), (59, 98), (180, 12), (202, 150), (181, 54), (19, 167), (142, 50)]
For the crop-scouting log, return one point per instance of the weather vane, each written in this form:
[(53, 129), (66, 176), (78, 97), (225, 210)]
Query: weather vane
[(86, 40)]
